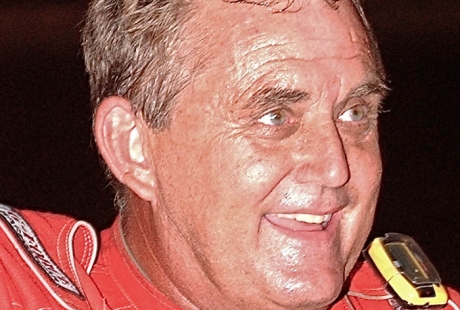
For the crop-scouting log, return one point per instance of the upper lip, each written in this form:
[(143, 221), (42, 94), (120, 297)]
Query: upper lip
[(315, 205)]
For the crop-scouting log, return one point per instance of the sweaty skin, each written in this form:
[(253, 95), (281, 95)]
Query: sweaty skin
[(268, 176)]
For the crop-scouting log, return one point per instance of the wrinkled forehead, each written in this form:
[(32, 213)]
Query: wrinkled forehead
[(324, 28)]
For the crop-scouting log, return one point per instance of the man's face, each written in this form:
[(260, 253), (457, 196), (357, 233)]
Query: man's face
[(269, 172)]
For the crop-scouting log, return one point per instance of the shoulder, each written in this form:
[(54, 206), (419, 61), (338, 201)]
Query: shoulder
[(38, 252), (367, 289), (364, 278), (33, 231), (18, 220), (454, 298), (39, 234)]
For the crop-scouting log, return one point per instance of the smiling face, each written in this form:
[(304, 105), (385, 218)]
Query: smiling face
[(269, 173)]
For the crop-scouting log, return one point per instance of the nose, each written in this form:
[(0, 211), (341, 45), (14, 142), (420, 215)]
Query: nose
[(321, 157)]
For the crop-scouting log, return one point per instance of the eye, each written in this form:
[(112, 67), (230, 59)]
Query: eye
[(274, 118), (354, 114), (277, 123)]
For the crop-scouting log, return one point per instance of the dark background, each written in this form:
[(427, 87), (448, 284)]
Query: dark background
[(49, 162)]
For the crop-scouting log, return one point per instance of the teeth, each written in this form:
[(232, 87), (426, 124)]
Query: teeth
[(307, 218)]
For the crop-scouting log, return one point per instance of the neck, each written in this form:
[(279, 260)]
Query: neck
[(145, 247)]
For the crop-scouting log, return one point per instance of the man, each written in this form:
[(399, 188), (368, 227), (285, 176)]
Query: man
[(241, 137)]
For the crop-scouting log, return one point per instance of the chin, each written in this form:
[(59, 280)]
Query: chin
[(301, 302), (307, 294)]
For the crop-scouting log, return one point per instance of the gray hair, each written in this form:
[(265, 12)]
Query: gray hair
[(130, 49)]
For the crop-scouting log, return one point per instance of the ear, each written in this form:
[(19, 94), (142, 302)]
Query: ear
[(122, 142)]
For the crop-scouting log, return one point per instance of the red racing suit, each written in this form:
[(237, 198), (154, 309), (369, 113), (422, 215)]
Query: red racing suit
[(50, 261)]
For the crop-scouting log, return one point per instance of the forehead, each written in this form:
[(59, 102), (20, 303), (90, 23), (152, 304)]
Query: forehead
[(325, 31), (244, 45)]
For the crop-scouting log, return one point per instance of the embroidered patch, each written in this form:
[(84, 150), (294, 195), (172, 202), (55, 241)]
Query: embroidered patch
[(31, 243)]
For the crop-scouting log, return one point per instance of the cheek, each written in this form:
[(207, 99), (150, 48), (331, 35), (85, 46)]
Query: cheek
[(365, 176), (258, 172), (368, 172), (221, 181), (261, 171), (365, 168), (247, 172)]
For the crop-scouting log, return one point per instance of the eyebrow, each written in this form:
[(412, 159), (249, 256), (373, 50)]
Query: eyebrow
[(271, 96), (376, 86)]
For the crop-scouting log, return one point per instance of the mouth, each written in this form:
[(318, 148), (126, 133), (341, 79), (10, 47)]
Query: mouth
[(300, 221)]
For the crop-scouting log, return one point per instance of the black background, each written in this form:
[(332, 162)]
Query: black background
[(49, 162)]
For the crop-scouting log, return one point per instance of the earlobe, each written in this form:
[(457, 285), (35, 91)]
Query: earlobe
[(119, 137)]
